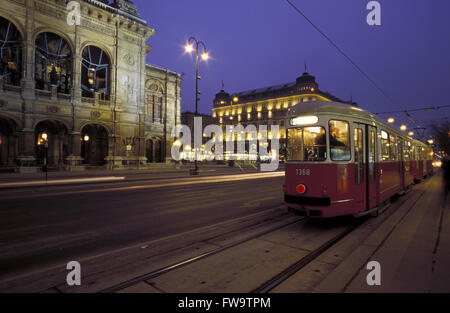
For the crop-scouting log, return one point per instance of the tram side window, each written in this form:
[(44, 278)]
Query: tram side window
[(385, 152), (308, 144), (294, 144), (359, 155), (339, 141), (392, 148), (372, 156), (407, 155), (314, 143)]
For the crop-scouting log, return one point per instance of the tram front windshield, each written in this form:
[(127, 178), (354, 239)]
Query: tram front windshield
[(310, 144), (307, 144)]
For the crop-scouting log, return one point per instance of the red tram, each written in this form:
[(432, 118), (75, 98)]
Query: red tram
[(342, 160)]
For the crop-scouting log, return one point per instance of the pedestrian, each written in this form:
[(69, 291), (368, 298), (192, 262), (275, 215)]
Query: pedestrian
[(446, 172)]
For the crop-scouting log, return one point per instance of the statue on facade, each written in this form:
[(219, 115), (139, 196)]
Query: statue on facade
[(126, 6), (53, 76)]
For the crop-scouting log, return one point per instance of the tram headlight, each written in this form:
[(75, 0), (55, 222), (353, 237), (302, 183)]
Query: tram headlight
[(301, 189)]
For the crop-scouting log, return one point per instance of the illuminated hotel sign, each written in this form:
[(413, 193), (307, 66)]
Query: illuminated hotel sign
[(304, 120)]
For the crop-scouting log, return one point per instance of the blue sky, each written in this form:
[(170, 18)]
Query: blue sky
[(258, 43)]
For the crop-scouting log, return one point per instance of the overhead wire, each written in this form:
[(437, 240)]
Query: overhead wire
[(353, 63)]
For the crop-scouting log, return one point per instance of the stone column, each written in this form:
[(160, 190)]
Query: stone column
[(26, 157), (74, 160), (27, 82), (114, 160), (76, 72)]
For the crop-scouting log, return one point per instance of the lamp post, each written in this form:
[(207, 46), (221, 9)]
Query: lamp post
[(43, 140), (192, 44)]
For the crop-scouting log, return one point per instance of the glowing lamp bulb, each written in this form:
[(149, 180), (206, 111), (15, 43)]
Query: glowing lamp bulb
[(189, 48), (205, 56), (391, 120)]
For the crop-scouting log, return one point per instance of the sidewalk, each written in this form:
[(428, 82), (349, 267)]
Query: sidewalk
[(412, 247), (16, 180)]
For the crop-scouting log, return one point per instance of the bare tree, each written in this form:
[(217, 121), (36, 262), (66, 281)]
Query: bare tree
[(441, 135)]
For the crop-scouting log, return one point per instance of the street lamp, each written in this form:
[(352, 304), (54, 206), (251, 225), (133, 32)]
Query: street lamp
[(391, 120), (411, 134), (43, 139), (192, 44), (403, 127)]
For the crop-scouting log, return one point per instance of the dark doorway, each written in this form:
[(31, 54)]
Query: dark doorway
[(94, 147), (149, 150), (158, 151), (51, 141), (7, 142)]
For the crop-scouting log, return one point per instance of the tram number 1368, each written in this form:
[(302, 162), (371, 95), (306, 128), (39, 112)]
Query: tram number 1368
[(303, 172)]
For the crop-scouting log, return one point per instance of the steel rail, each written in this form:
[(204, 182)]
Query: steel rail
[(185, 262)]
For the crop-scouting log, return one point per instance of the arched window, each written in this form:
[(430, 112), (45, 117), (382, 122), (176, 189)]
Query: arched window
[(10, 52), (53, 62), (95, 73)]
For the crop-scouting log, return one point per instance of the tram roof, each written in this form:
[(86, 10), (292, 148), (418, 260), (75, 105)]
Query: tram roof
[(323, 107), (343, 109)]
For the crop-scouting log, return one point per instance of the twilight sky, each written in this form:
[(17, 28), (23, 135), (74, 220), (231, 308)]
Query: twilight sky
[(259, 43)]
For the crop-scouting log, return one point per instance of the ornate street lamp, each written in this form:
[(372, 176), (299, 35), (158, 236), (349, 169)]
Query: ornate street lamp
[(194, 44)]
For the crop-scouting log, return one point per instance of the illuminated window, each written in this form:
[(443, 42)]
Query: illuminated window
[(359, 155), (392, 147), (385, 146), (339, 140), (53, 62), (10, 53), (372, 156), (95, 72), (407, 155), (307, 144)]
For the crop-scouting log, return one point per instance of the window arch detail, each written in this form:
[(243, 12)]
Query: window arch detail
[(10, 52), (95, 73), (53, 62)]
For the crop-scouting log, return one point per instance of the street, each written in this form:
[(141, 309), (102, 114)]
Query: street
[(44, 227), (224, 231)]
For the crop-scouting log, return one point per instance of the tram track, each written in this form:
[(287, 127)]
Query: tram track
[(283, 275), (192, 260), (297, 266), (290, 271)]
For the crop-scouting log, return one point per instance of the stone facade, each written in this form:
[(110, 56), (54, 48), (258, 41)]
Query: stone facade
[(82, 94), (267, 106)]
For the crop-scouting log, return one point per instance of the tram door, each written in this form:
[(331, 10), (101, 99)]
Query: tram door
[(365, 161), (359, 157), (371, 160)]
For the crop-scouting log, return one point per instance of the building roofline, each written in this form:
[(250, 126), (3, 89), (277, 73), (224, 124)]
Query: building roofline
[(162, 69), (111, 9), (199, 114)]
